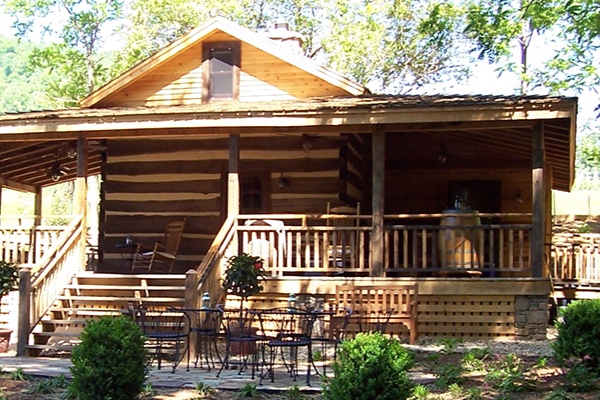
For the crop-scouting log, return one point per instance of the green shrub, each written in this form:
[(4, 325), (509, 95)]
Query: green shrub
[(111, 361), (370, 367), (579, 334)]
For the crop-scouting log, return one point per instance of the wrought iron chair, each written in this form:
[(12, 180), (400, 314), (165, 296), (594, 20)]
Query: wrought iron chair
[(167, 328), (161, 255), (241, 337), (329, 329), (205, 328), (286, 329)]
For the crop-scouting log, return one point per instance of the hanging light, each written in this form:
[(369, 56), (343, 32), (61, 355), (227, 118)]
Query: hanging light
[(442, 155), (56, 170)]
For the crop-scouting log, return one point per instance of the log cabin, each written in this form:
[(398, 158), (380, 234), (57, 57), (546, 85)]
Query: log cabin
[(258, 148)]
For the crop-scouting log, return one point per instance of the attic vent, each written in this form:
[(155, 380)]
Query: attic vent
[(281, 32)]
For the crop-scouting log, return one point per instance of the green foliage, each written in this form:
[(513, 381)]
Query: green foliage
[(110, 362), (248, 390), (370, 366), (18, 374), (243, 275), (473, 393), (293, 393), (509, 374), (449, 345), (579, 334), (20, 86), (560, 394), (420, 392), (204, 389), (580, 378), (9, 276), (73, 62), (50, 385), (448, 374), (473, 360)]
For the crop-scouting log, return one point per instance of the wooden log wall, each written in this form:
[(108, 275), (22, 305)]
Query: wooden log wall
[(414, 191), (149, 182)]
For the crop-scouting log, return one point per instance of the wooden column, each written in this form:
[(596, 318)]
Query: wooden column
[(539, 201), (192, 301), (80, 198), (233, 185), (377, 252), (24, 311), (37, 206)]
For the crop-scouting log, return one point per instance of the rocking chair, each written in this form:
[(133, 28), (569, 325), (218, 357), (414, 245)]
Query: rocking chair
[(161, 256)]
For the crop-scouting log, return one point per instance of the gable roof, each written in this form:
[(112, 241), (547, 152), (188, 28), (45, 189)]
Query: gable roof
[(196, 35)]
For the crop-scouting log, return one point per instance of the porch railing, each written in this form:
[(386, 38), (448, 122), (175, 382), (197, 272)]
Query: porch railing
[(576, 258), (209, 271), (414, 245), (23, 242), (48, 277)]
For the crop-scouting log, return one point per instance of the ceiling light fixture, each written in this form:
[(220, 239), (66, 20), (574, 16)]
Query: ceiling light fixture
[(442, 155)]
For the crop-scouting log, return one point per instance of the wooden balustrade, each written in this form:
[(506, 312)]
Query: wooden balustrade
[(575, 259), (306, 245)]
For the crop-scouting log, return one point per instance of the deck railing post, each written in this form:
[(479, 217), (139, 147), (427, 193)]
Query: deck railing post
[(24, 311), (191, 301)]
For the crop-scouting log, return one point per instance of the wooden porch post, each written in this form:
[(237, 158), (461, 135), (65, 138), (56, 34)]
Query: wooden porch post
[(539, 201), (24, 311), (80, 206), (233, 186), (377, 251), (233, 183), (37, 207)]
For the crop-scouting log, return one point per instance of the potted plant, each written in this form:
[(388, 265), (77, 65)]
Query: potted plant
[(9, 276), (243, 278)]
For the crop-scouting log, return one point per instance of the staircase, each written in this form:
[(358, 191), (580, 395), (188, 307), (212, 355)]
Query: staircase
[(90, 296)]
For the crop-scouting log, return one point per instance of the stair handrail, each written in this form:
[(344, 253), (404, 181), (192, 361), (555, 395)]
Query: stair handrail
[(48, 278), (210, 267)]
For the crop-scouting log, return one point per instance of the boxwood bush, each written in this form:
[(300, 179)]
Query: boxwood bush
[(110, 363), (579, 335), (370, 367)]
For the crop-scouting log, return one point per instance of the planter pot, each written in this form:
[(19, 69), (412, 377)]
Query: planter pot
[(4, 339), (242, 348)]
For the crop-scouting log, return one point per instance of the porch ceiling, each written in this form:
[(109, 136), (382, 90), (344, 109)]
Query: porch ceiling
[(480, 131)]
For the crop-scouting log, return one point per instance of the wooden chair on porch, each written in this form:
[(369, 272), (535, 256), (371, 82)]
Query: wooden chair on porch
[(343, 246), (160, 257)]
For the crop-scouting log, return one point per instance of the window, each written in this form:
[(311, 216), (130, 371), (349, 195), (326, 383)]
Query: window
[(221, 70), (251, 195)]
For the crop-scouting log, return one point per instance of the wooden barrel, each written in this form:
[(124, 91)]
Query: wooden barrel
[(459, 247)]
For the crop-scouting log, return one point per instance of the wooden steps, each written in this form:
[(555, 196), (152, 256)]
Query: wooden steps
[(91, 296)]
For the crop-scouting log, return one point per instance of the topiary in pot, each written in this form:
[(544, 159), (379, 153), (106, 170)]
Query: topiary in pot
[(579, 335), (243, 276), (370, 366), (9, 276), (110, 362)]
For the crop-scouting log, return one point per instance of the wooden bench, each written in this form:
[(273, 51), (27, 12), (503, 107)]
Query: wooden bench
[(364, 300)]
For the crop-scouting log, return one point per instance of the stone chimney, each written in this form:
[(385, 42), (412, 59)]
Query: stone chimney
[(281, 33)]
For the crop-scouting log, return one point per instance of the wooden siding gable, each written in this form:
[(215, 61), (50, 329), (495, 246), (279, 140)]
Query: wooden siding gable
[(167, 77)]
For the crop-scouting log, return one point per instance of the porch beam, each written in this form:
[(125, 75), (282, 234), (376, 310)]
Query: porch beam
[(539, 201), (233, 181), (377, 242), (81, 193)]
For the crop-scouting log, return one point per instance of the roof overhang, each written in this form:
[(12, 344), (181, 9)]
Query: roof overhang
[(477, 114)]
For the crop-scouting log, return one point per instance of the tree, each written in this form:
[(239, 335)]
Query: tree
[(501, 28), (74, 61), (388, 39), (393, 46), (20, 86)]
